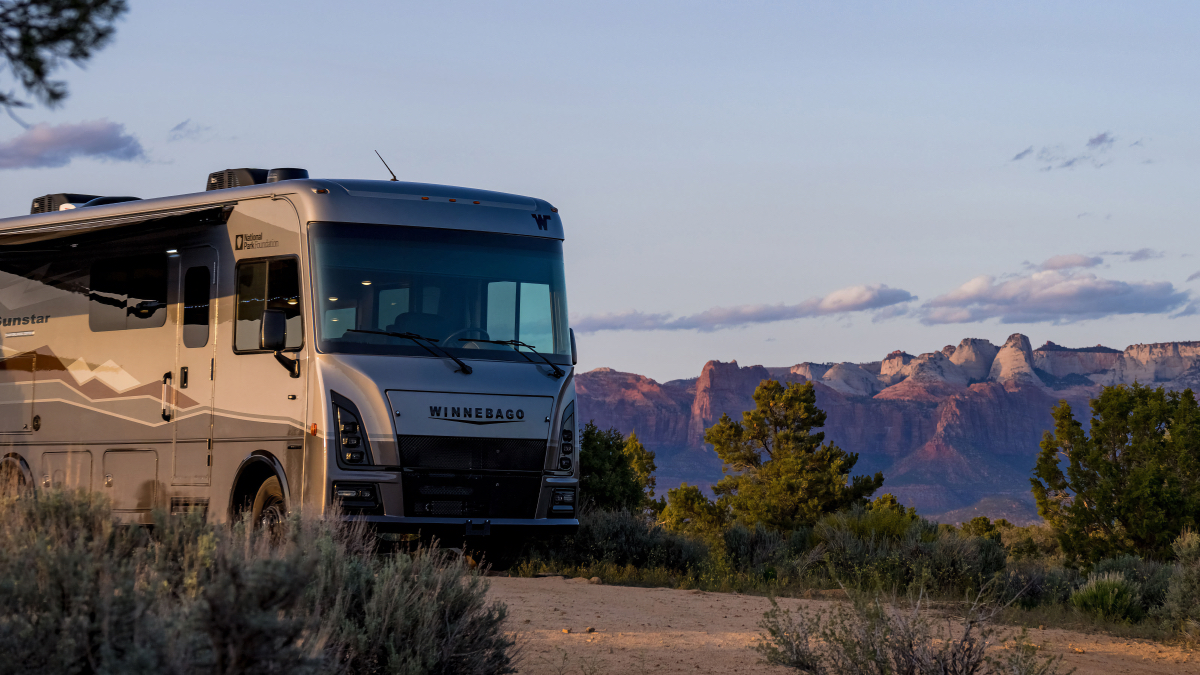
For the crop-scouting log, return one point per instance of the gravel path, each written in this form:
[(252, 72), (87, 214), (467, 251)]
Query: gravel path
[(658, 630)]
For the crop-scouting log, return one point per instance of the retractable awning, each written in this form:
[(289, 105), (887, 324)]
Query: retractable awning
[(56, 230)]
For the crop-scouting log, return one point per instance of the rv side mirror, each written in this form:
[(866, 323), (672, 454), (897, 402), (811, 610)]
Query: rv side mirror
[(274, 330), (574, 352)]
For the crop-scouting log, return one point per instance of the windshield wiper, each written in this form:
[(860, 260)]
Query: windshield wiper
[(421, 340), (515, 344)]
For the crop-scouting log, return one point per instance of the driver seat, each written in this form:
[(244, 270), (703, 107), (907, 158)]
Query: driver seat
[(428, 325)]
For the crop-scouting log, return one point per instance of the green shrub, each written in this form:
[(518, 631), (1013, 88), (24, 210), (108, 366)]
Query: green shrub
[(1181, 604), (981, 526), (885, 549), (869, 637), (753, 548), (615, 472), (882, 524), (1030, 584), (80, 592), (1031, 542), (1110, 596), (1151, 576), (624, 538)]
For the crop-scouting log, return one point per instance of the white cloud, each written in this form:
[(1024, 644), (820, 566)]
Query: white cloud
[(1051, 295), (843, 301), (45, 146)]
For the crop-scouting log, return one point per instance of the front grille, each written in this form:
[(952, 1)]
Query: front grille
[(470, 495), (472, 454)]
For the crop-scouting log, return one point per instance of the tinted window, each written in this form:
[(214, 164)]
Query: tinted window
[(457, 287), (267, 284), (196, 285), (128, 293)]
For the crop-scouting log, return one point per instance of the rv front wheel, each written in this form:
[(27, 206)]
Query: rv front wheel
[(12, 479), (269, 508)]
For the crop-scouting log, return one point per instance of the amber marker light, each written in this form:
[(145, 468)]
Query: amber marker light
[(321, 191), (553, 210), (333, 299), (313, 431), (425, 198), (453, 200), (366, 283)]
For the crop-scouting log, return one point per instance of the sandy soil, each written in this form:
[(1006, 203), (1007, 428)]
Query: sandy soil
[(657, 630)]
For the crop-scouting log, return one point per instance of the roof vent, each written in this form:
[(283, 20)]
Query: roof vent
[(276, 175), (231, 178), (50, 203)]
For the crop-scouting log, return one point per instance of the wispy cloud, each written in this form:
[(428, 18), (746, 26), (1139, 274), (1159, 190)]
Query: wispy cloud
[(1095, 152), (1194, 276), (1051, 296), (45, 146), (1138, 255), (844, 301), (1102, 141), (1071, 261), (1145, 254), (187, 130)]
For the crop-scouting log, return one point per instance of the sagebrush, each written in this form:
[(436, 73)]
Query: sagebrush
[(82, 593)]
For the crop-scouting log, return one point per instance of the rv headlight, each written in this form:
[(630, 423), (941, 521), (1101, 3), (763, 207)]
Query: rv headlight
[(566, 436), (353, 447)]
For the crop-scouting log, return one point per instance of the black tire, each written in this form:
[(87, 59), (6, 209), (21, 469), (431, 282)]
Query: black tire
[(269, 510), (12, 479)]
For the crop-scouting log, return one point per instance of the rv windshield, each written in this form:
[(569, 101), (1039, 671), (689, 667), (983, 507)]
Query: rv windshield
[(457, 287)]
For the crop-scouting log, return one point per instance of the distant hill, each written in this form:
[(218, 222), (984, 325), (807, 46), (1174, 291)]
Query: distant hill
[(954, 431)]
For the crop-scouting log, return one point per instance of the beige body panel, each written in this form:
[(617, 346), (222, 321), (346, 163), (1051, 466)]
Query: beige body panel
[(108, 409)]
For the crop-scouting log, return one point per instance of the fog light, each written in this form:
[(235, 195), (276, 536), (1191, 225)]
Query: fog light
[(568, 435), (567, 448), (356, 497), (353, 457), (563, 497), (564, 463)]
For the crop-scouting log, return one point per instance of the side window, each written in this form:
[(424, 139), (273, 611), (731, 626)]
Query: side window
[(197, 282), (128, 293), (262, 285), (502, 310), (535, 321)]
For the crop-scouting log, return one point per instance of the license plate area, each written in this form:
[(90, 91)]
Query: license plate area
[(470, 495)]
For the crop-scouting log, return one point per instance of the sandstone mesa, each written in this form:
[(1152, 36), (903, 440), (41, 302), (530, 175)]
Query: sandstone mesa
[(955, 431)]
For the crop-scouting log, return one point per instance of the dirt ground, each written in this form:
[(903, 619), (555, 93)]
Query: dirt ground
[(658, 630)]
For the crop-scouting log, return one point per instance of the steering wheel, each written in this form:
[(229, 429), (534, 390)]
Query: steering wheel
[(451, 340)]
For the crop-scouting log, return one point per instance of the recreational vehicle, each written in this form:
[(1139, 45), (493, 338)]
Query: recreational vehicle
[(279, 343)]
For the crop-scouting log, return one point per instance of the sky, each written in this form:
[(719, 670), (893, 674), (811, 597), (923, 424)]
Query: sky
[(764, 182)]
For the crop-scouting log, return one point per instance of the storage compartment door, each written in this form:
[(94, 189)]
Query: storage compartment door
[(16, 393), (131, 479)]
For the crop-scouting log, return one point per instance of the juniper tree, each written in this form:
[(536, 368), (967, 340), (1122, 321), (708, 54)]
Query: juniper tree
[(778, 469), (1132, 484)]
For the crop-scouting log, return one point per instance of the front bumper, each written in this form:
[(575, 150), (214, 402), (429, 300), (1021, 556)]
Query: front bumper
[(451, 529)]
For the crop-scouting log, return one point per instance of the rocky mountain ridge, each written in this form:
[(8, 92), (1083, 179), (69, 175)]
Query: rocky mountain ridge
[(949, 428)]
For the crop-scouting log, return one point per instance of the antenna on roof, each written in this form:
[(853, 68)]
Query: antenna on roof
[(386, 166)]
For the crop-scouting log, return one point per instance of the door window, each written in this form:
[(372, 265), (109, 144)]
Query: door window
[(262, 285), (196, 284)]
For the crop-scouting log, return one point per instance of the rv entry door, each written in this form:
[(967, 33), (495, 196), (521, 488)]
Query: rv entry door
[(192, 380)]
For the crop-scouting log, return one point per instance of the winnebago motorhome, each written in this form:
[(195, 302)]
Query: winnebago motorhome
[(278, 343)]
